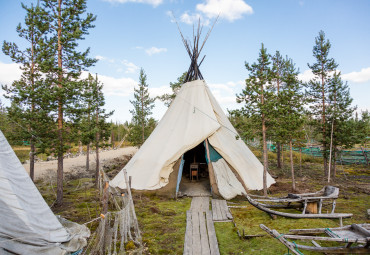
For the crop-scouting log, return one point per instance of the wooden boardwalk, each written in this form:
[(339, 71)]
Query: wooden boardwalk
[(200, 235), (220, 211)]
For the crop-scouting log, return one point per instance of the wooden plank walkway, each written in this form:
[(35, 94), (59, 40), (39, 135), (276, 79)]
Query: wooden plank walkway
[(220, 211), (200, 235)]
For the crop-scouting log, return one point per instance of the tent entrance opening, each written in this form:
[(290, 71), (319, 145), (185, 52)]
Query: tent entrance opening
[(195, 174)]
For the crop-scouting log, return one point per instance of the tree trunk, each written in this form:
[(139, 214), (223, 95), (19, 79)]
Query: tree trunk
[(300, 160), (282, 155), (80, 147), (87, 157), (32, 159), (292, 164), (97, 149), (60, 113), (278, 155), (143, 117), (324, 122), (265, 156)]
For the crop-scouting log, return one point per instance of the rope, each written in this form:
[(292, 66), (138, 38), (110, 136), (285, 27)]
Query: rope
[(77, 252), (296, 248), (278, 237), (328, 229), (232, 131)]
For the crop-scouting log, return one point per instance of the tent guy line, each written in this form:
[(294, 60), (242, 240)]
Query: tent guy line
[(195, 107)]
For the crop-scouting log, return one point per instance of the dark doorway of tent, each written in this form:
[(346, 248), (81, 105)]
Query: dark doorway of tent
[(194, 176)]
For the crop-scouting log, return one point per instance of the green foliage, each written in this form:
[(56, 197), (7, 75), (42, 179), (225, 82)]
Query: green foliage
[(94, 120), (258, 94), (245, 125), (141, 122), (289, 107), (318, 88), (175, 86), (62, 62), (339, 128), (29, 108)]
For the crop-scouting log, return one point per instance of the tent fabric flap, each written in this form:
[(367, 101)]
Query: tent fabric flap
[(227, 143), (228, 185), (26, 222)]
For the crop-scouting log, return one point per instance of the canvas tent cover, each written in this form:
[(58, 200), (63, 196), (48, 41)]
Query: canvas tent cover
[(193, 117), (27, 225)]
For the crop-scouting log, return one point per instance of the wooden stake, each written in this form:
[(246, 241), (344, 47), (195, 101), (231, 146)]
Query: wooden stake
[(105, 197)]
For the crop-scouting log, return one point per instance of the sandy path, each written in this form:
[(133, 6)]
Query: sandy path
[(43, 167)]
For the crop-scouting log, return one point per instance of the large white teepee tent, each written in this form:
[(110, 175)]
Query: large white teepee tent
[(27, 225), (194, 117)]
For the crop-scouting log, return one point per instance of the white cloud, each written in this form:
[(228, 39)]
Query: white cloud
[(98, 57), (219, 86), (155, 3), (225, 93), (306, 76), (8, 74), (155, 50), (358, 77), (193, 18), (154, 92), (227, 9), (115, 86), (170, 14), (130, 67)]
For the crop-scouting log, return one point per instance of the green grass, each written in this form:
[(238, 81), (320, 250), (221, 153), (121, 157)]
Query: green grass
[(163, 221)]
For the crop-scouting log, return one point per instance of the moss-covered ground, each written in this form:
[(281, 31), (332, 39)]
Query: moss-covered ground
[(163, 221)]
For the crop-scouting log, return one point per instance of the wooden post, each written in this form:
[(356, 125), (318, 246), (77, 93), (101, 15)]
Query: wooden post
[(320, 205), (365, 155), (131, 202), (304, 208), (300, 160), (105, 197)]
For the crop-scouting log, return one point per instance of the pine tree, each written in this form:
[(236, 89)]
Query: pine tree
[(101, 127), (63, 62), (339, 112), (143, 106), (318, 88), (259, 99), (290, 110), (278, 68), (27, 93), (175, 86)]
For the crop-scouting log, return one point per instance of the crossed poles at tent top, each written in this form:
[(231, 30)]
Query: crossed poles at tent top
[(194, 51)]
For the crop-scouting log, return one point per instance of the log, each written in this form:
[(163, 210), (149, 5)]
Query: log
[(335, 250), (324, 238), (298, 216), (105, 197), (361, 229), (322, 230), (276, 235)]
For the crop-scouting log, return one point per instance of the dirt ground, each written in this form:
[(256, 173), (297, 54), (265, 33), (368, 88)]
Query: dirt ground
[(69, 164)]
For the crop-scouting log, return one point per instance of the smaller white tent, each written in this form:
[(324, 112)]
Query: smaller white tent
[(27, 225), (193, 117)]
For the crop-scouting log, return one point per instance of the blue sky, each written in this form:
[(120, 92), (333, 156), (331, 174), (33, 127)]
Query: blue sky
[(131, 34)]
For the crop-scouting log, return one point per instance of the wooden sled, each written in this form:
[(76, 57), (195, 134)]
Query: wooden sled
[(355, 239), (310, 202), (303, 215)]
